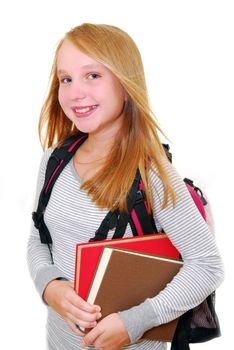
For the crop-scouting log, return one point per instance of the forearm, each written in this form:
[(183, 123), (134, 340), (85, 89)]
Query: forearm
[(40, 265), (180, 295), (201, 274)]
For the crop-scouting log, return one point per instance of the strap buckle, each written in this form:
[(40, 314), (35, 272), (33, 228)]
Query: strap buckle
[(37, 219), (141, 197)]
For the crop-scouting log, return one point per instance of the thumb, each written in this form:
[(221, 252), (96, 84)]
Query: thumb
[(91, 337)]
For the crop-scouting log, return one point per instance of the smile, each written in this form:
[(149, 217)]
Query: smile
[(84, 109)]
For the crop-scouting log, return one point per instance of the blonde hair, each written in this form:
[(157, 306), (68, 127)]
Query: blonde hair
[(137, 143)]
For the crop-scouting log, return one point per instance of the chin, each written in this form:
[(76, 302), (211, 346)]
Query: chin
[(85, 128)]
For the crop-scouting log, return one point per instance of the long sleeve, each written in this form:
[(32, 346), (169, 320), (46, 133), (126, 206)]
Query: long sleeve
[(39, 261), (72, 218), (202, 272)]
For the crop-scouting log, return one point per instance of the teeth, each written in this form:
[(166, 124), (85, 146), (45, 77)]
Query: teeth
[(84, 110)]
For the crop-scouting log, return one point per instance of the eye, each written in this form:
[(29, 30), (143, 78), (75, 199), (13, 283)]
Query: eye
[(65, 80), (93, 76)]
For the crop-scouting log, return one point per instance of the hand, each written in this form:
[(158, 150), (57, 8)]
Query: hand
[(61, 296), (109, 334)]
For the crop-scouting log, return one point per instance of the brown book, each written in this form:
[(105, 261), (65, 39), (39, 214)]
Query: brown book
[(126, 278)]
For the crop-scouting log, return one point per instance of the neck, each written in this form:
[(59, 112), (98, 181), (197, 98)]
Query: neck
[(101, 146), (101, 143)]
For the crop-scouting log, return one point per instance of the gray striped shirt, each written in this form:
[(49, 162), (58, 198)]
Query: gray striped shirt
[(72, 218)]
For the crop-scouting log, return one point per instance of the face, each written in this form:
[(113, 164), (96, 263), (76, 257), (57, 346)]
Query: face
[(89, 94)]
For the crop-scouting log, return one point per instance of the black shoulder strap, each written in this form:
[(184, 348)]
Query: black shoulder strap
[(120, 220), (135, 201), (56, 163), (136, 206)]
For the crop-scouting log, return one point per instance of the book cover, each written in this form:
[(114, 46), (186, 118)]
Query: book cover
[(88, 255), (126, 278)]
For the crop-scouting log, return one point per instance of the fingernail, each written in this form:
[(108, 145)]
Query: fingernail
[(98, 309), (99, 315)]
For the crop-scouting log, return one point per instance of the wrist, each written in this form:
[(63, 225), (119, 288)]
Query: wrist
[(50, 288), (139, 319)]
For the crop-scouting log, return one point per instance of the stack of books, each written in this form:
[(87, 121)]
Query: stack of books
[(121, 273)]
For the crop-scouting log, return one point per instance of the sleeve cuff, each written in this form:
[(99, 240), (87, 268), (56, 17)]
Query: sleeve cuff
[(139, 319), (46, 275)]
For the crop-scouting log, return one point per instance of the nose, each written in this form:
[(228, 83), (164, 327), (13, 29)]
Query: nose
[(77, 90)]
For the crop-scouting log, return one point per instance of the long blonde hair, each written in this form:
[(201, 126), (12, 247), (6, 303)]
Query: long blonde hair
[(137, 143)]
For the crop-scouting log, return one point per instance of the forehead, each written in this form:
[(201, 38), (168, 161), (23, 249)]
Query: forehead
[(70, 56)]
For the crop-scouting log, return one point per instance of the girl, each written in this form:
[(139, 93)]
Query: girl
[(98, 88)]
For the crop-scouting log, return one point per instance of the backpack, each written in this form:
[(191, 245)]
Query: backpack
[(197, 325)]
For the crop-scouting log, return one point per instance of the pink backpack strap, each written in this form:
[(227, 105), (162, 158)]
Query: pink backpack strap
[(197, 197), (141, 216)]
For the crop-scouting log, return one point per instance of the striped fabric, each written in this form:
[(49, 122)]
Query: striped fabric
[(72, 218)]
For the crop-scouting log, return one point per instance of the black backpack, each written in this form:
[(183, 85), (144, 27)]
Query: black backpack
[(197, 325)]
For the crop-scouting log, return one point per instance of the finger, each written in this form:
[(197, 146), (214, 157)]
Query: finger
[(80, 303), (101, 343), (91, 337), (82, 323), (73, 298), (82, 315), (84, 305), (74, 328), (104, 342)]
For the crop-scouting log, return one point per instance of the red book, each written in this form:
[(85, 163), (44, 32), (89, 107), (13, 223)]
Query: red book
[(88, 255)]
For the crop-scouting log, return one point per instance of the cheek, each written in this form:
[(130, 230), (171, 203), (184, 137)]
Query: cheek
[(61, 98), (118, 93), (118, 98)]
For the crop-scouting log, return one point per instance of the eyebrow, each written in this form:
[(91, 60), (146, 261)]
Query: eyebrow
[(91, 66), (85, 67)]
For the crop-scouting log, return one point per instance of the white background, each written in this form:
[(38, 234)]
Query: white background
[(187, 50)]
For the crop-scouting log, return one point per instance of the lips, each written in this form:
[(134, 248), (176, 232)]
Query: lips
[(84, 111)]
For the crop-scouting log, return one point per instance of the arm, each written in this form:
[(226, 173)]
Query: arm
[(51, 283), (39, 261), (202, 271)]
